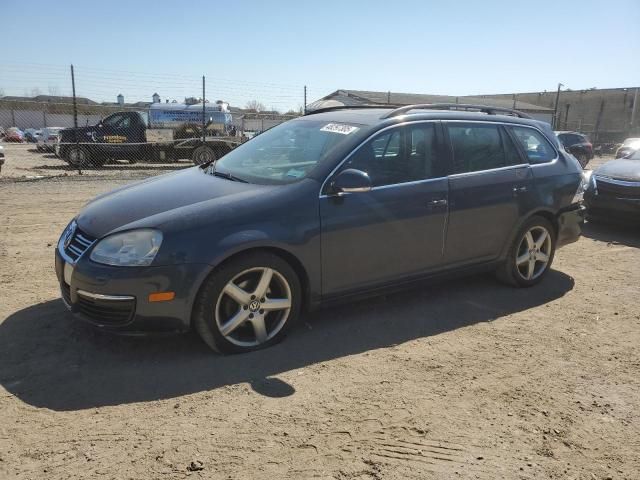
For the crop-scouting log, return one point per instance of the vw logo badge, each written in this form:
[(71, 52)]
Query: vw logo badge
[(254, 306), (69, 234)]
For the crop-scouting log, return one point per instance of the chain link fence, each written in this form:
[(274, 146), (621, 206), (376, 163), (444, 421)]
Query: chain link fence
[(98, 120)]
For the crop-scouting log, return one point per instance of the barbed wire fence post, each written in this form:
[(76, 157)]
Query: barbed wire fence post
[(75, 112), (204, 114)]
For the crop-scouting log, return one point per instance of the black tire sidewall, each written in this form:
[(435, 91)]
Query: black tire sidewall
[(204, 309), (87, 159)]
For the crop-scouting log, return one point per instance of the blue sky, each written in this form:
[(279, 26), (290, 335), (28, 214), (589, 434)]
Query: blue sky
[(269, 49)]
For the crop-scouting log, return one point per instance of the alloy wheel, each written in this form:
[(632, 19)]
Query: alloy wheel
[(534, 253), (253, 306)]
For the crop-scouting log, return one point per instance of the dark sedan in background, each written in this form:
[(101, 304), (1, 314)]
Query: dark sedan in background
[(578, 145), (614, 191)]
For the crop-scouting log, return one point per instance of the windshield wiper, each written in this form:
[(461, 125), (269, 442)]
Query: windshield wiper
[(228, 176)]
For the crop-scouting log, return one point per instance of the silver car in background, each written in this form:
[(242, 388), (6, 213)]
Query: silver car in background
[(48, 139)]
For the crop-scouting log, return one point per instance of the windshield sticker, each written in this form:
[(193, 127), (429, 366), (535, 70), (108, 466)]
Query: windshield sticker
[(339, 128)]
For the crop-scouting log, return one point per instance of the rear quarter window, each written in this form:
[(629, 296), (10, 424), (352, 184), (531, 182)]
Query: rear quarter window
[(535, 146), (477, 147)]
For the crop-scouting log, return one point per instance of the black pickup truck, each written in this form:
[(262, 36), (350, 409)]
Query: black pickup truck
[(130, 136)]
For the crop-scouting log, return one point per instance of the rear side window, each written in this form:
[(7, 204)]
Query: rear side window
[(479, 147), (536, 147)]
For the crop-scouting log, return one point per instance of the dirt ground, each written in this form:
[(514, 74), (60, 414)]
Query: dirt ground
[(460, 379)]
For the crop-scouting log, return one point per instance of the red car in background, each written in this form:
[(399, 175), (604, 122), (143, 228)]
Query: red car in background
[(14, 134)]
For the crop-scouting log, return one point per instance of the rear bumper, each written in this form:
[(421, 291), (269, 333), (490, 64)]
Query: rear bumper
[(570, 224)]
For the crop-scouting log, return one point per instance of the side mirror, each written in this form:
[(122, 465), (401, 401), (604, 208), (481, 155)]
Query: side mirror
[(351, 181)]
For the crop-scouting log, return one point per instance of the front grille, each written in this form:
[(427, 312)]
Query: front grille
[(79, 243), (106, 312), (609, 189)]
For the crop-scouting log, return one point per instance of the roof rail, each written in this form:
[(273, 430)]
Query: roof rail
[(349, 107), (489, 110)]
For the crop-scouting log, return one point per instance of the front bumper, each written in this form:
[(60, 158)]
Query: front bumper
[(570, 224), (116, 298), (612, 208)]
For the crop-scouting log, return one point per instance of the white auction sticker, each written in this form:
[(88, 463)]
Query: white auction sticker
[(339, 128)]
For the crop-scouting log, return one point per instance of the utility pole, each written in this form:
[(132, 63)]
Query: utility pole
[(555, 108), (305, 100), (204, 120), (633, 110), (75, 103), (75, 114), (514, 101)]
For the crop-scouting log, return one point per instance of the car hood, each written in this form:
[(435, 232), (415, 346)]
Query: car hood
[(620, 169), (157, 195)]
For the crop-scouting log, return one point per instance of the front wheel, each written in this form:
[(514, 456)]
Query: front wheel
[(530, 255), (251, 302)]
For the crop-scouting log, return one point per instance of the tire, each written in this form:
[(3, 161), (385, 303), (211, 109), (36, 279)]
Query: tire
[(516, 270), (229, 313), (77, 156), (203, 154)]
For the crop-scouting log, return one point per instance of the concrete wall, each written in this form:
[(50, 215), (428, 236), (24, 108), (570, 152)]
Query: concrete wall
[(604, 114), (257, 124), (38, 119)]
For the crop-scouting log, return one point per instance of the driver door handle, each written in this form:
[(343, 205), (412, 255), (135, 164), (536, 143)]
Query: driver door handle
[(521, 189), (438, 203)]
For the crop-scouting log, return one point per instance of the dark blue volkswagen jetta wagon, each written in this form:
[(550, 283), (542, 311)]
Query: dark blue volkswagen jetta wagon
[(333, 204)]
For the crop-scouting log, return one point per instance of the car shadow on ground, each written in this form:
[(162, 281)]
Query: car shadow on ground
[(48, 359), (613, 233)]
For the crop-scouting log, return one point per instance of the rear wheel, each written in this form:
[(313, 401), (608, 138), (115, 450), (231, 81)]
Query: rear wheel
[(203, 154), (530, 255), (249, 303)]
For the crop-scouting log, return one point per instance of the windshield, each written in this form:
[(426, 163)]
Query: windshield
[(286, 153)]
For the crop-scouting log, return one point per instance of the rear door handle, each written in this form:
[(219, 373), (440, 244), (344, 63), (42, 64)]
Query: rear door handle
[(521, 189), (441, 202)]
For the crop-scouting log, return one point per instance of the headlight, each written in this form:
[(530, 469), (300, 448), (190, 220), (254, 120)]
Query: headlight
[(136, 248)]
